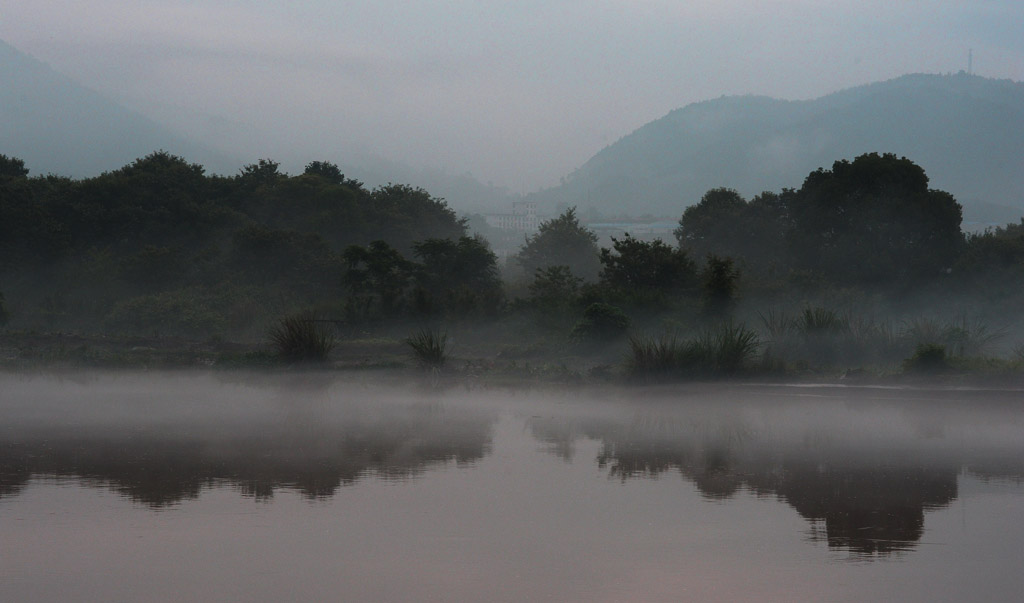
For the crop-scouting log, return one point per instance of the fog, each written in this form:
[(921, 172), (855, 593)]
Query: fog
[(515, 95)]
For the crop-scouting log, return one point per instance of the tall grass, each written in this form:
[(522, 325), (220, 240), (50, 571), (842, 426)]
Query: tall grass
[(961, 336), (430, 347), (821, 321), (303, 338), (650, 356), (730, 347), (725, 350)]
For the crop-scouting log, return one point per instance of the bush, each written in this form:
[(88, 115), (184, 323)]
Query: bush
[(303, 338), (189, 312), (602, 322), (430, 348), (927, 358)]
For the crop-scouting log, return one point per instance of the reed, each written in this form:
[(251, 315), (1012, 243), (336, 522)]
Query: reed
[(430, 347), (303, 338)]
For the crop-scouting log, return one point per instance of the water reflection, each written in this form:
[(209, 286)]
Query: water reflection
[(255, 448), (862, 471)]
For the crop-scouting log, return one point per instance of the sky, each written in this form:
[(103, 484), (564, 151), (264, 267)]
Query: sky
[(517, 94)]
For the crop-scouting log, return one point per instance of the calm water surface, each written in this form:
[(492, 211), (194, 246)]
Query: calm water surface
[(230, 487)]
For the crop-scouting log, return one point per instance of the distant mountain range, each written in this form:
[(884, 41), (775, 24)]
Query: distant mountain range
[(966, 131), (59, 126)]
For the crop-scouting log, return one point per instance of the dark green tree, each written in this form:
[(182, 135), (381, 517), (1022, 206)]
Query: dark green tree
[(265, 172), (873, 220), (714, 224), (379, 280), (459, 277), (724, 224), (402, 215), (633, 265), (554, 293), (326, 170), (12, 167), (719, 280), (562, 241)]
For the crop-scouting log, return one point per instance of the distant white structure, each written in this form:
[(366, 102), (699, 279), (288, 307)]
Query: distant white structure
[(522, 219)]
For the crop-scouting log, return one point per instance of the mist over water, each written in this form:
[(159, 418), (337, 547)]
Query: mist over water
[(228, 485)]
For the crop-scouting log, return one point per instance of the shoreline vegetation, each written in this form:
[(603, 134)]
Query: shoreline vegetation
[(733, 354), (861, 275)]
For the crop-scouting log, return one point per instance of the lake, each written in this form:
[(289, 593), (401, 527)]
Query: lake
[(234, 486)]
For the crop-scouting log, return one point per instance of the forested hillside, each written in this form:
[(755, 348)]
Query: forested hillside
[(964, 130)]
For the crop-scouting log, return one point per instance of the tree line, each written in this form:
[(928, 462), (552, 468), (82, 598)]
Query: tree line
[(159, 246)]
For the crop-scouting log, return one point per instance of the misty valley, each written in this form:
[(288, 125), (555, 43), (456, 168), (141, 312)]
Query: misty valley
[(564, 301), (229, 486), (275, 386)]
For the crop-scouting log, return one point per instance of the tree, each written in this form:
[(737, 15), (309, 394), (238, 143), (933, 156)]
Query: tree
[(633, 265), (561, 241), (402, 214), (873, 220), (331, 173), (326, 170), (724, 224), (12, 167), (719, 279), (713, 225), (554, 293), (458, 277), (378, 278), (264, 172)]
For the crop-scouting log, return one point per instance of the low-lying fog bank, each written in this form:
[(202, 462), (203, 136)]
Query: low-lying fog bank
[(163, 437)]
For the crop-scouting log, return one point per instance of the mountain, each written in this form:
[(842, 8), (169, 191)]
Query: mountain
[(59, 126), (966, 131)]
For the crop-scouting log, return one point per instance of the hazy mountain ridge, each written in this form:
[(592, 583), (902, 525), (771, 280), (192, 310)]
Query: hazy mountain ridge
[(59, 126), (966, 131)]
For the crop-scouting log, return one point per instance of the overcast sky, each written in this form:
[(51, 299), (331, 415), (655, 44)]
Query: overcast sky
[(516, 93)]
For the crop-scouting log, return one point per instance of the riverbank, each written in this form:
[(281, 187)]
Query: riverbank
[(479, 361)]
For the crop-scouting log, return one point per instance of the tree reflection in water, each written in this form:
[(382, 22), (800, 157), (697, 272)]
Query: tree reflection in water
[(162, 470), (865, 493)]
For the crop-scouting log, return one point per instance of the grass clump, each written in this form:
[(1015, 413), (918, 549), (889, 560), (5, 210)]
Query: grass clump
[(303, 338), (430, 347), (650, 356), (730, 347), (820, 321), (726, 350)]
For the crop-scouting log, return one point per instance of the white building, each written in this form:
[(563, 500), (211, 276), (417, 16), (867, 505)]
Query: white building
[(522, 219)]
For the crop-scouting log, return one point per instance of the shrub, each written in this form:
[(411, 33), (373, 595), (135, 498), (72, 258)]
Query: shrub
[(927, 358), (190, 312), (430, 348), (601, 322), (961, 336), (303, 338)]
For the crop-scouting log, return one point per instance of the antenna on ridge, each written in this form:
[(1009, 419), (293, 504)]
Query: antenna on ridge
[(970, 61)]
